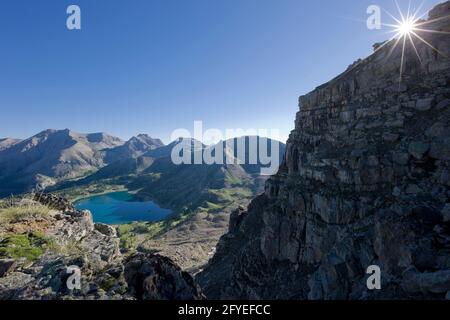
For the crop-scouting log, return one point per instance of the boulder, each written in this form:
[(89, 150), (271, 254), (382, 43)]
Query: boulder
[(430, 282), (6, 266), (153, 277), (446, 213), (418, 149), (105, 229), (424, 104)]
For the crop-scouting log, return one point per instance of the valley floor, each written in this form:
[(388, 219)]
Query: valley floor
[(189, 239)]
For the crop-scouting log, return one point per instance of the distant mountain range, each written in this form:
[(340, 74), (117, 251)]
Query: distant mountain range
[(63, 158), (7, 142), (49, 157)]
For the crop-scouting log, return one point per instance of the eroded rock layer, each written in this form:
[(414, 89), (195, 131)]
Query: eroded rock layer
[(366, 181)]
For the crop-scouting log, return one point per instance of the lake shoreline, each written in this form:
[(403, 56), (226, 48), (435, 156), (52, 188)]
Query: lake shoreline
[(83, 197), (121, 207)]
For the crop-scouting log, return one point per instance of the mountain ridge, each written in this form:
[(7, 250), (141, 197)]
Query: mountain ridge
[(53, 155), (5, 143)]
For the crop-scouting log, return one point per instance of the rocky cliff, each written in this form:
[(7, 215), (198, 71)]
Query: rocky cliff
[(366, 181)]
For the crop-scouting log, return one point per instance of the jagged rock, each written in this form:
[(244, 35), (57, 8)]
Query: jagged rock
[(105, 229), (236, 218), (102, 249), (443, 104), (401, 158), (10, 285), (431, 282), (390, 137), (73, 228), (424, 104), (413, 189), (418, 149), (53, 201), (446, 213), (440, 10), (153, 277), (440, 149), (6, 266), (364, 182)]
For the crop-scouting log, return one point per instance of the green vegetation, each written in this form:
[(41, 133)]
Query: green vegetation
[(76, 193), (177, 220), (108, 283), (11, 212), (220, 199), (132, 234), (32, 244), (153, 176), (71, 249), (233, 180), (79, 190), (229, 195), (128, 241), (29, 246)]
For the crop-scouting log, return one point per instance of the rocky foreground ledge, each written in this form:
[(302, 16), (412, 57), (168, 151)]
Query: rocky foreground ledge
[(66, 240)]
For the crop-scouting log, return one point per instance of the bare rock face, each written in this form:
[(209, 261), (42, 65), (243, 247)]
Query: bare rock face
[(366, 181), (153, 277)]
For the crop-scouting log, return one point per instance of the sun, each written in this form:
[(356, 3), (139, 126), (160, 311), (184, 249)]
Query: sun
[(407, 27), (407, 30)]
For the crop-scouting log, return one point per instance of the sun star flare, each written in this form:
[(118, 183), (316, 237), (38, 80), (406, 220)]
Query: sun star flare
[(407, 30)]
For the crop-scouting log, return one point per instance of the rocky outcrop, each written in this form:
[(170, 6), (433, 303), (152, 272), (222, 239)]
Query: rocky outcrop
[(54, 202), (154, 277), (77, 246), (76, 242), (366, 181)]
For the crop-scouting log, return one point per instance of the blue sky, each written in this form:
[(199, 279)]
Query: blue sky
[(152, 66)]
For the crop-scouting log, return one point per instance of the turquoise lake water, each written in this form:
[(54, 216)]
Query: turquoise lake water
[(121, 207)]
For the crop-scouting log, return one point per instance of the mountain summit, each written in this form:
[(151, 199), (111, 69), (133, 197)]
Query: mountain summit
[(134, 148), (51, 156)]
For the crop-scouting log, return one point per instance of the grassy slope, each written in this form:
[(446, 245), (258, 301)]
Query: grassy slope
[(28, 245), (133, 234)]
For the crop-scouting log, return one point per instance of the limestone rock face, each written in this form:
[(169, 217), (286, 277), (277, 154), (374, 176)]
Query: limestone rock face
[(365, 181)]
